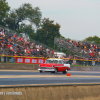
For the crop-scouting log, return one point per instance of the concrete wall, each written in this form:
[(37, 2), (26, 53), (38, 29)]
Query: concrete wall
[(18, 66), (81, 68), (35, 67), (74, 92)]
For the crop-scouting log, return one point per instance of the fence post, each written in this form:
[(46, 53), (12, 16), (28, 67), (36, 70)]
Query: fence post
[(4, 59), (0, 58)]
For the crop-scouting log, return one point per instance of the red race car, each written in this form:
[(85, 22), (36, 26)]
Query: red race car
[(54, 65)]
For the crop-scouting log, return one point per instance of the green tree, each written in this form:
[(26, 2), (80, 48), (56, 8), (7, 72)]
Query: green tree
[(23, 13), (27, 29), (94, 39), (48, 32), (4, 9)]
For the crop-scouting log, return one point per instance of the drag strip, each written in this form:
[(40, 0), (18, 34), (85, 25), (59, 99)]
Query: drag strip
[(89, 73), (35, 77), (67, 80)]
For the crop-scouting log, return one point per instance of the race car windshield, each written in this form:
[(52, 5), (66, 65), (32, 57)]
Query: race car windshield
[(51, 61)]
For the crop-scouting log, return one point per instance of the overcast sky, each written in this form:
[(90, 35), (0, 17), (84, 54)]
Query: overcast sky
[(79, 19)]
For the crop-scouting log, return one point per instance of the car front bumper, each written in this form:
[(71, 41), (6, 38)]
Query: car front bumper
[(46, 69)]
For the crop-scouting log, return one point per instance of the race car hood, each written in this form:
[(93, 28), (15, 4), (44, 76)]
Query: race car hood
[(47, 64)]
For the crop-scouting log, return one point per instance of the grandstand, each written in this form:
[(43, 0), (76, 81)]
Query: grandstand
[(83, 49), (13, 44)]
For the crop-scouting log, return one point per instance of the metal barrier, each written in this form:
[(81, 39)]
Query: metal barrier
[(80, 51), (82, 62), (68, 46), (12, 59), (7, 59)]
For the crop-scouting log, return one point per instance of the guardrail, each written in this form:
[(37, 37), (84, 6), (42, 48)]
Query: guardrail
[(13, 59)]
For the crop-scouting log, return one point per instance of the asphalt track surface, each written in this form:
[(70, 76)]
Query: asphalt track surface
[(48, 73), (9, 77)]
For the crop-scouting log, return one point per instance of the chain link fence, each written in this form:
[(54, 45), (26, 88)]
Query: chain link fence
[(79, 51), (64, 44)]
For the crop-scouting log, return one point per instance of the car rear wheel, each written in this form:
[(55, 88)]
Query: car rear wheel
[(65, 72), (56, 70)]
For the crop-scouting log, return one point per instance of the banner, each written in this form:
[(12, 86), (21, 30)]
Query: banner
[(30, 60)]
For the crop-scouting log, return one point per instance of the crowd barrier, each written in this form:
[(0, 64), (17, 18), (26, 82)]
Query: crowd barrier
[(37, 60), (30, 60), (84, 62), (20, 59)]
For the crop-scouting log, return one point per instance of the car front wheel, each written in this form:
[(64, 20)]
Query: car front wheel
[(65, 72), (56, 70), (40, 71)]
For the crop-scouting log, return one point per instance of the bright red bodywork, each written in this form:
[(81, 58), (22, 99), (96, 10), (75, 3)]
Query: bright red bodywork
[(52, 67)]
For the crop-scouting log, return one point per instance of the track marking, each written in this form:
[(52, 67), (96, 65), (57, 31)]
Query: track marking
[(38, 71), (44, 76)]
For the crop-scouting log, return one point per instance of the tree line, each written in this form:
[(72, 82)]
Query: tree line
[(27, 19)]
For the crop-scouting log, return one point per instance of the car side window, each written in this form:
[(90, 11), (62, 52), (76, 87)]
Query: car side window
[(63, 62), (56, 61), (60, 62), (51, 61)]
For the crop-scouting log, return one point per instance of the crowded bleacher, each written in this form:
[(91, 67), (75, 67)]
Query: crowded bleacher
[(88, 51), (14, 45)]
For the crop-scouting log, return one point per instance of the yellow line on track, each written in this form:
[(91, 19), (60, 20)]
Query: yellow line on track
[(44, 76)]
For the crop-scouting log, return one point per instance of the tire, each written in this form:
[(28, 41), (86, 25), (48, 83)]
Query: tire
[(56, 70), (65, 72), (53, 72), (40, 71)]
